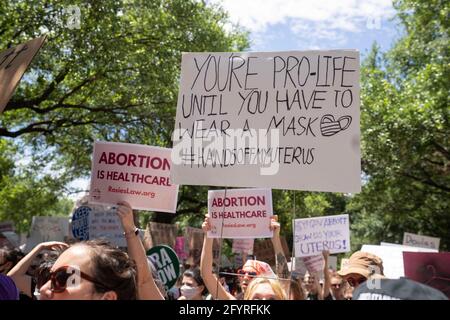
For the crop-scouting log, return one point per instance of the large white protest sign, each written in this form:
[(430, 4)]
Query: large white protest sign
[(313, 235), (45, 229), (240, 213), (13, 63), (392, 256), (286, 120), (416, 240), (134, 173)]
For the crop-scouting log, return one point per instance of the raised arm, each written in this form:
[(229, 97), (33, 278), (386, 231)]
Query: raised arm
[(213, 284), (19, 272), (282, 269), (147, 288), (326, 275)]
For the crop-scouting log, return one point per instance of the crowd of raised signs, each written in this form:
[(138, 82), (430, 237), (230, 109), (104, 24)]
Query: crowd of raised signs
[(139, 269)]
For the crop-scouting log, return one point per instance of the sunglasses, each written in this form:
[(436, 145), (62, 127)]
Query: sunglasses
[(242, 273), (60, 276), (355, 282)]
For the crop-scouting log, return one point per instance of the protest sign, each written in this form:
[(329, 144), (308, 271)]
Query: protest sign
[(243, 246), (313, 235), (180, 248), (134, 173), (429, 268), (241, 214), (166, 263), (13, 63), (408, 248), (105, 224), (80, 223), (416, 240), (162, 233), (263, 250), (194, 246), (285, 120), (392, 256), (45, 229)]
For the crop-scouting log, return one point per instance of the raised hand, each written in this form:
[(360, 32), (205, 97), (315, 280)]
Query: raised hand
[(125, 213)]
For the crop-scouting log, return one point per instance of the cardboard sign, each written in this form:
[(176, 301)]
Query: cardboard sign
[(241, 214), (45, 229), (162, 233), (134, 173), (313, 235), (285, 120), (263, 250), (243, 246), (194, 246), (429, 268), (392, 256), (13, 63), (416, 240), (166, 263), (6, 226)]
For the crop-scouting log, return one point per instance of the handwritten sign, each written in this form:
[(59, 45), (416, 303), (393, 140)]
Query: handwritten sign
[(313, 235), (162, 233), (13, 63), (45, 229), (134, 173), (286, 120), (240, 213), (80, 223), (194, 245), (416, 240), (106, 224), (243, 246)]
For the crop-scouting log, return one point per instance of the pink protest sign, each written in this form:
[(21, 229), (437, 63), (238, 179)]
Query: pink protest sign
[(240, 213), (179, 248), (134, 173)]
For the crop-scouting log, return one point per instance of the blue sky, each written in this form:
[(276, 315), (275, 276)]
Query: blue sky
[(280, 25)]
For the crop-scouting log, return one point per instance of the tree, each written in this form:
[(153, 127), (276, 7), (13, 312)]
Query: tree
[(115, 78), (405, 130)]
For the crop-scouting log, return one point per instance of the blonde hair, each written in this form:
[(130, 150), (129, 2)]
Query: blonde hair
[(274, 284)]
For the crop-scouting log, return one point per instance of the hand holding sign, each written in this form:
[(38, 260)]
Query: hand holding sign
[(125, 213)]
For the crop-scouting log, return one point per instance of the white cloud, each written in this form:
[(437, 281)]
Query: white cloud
[(309, 21)]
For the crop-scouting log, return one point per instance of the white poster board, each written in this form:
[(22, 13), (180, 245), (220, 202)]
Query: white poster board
[(106, 224), (134, 173), (243, 246), (392, 256), (417, 240), (240, 213), (285, 120), (313, 235)]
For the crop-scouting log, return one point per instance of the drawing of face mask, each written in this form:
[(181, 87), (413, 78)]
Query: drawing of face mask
[(329, 126)]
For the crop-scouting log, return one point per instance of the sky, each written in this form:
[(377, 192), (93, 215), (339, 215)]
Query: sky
[(281, 25)]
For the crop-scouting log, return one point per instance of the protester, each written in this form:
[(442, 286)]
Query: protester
[(361, 267), (8, 290), (19, 274), (264, 289), (294, 290), (192, 286), (91, 270), (9, 258), (337, 286), (147, 288), (250, 270)]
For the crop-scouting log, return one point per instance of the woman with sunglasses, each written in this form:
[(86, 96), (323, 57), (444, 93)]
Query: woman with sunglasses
[(91, 270), (250, 270)]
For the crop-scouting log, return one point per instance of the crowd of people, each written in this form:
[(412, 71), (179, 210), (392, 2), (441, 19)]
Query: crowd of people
[(96, 270)]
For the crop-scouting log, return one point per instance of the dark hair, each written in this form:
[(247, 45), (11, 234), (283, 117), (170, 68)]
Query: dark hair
[(42, 273), (195, 274), (11, 255), (113, 268)]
